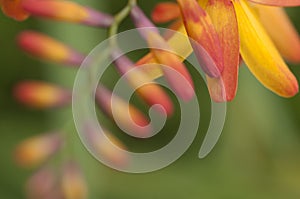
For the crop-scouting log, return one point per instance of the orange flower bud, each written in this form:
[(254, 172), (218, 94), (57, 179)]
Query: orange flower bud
[(73, 183), (14, 9), (38, 94), (67, 11), (129, 117), (165, 12), (47, 48), (36, 150)]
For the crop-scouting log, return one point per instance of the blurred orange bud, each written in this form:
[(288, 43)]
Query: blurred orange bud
[(165, 12), (36, 150), (128, 117), (73, 183), (141, 21), (108, 148), (37, 94), (14, 9), (47, 48), (67, 11)]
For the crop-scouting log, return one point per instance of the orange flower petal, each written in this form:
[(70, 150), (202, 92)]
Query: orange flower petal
[(223, 17), (260, 54), (281, 3), (281, 31), (206, 42)]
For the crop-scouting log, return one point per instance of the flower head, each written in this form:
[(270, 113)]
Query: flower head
[(225, 29)]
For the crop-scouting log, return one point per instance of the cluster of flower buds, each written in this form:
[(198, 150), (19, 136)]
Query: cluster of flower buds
[(221, 33), (46, 183), (68, 183)]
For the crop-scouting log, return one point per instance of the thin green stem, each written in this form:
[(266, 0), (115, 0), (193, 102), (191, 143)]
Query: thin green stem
[(118, 18)]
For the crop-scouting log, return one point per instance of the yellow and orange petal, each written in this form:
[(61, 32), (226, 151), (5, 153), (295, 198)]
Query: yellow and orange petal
[(224, 19), (260, 54), (281, 31), (37, 94), (281, 3), (205, 40), (14, 9)]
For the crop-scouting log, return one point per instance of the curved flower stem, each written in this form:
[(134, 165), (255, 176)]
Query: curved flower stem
[(118, 18)]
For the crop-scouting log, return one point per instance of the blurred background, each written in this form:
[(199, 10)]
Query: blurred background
[(257, 155)]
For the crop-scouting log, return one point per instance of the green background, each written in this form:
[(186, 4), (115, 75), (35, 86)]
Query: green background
[(257, 155)]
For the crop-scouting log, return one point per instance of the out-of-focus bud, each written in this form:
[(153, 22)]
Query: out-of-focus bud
[(128, 117), (146, 88), (14, 9), (36, 150), (141, 21), (73, 183), (67, 11), (165, 12), (37, 94), (47, 48), (108, 147), (41, 184)]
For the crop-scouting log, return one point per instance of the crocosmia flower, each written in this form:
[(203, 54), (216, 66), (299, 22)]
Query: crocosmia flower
[(222, 34), (14, 9), (222, 30)]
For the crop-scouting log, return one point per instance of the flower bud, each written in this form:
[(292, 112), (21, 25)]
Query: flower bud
[(37, 94), (47, 48), (36, 150), (73, 183), (67, 11), (128, 117)]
